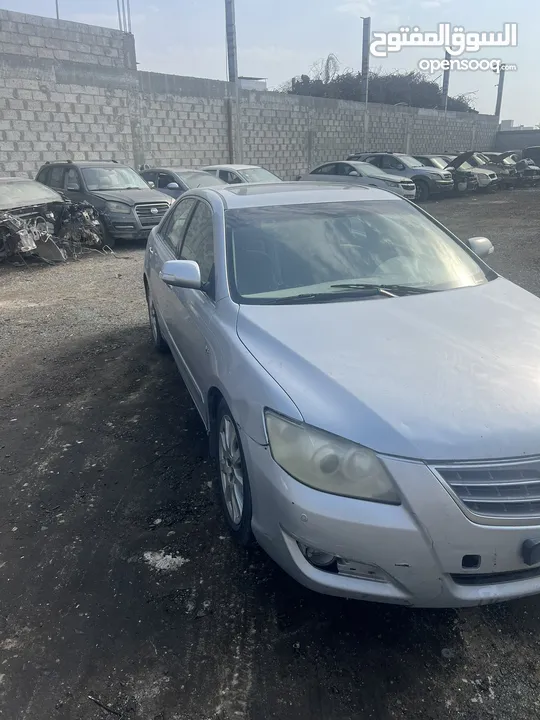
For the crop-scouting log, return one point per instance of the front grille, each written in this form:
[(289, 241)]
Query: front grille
[(497, 491), (147, 217), (408, 186)]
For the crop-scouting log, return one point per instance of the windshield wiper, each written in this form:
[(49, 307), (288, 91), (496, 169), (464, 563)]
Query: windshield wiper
[(392, 290), (353, 292)]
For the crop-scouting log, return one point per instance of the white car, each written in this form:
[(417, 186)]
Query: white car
[(233, 174)]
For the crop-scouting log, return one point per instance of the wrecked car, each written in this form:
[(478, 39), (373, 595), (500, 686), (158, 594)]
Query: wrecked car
[(128, 208), (488, 180), (36, 220), (526, 171), (463, 179), (507, 175)]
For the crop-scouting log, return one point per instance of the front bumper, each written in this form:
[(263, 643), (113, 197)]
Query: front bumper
[(417, 548), (129, 226), (443, 186)]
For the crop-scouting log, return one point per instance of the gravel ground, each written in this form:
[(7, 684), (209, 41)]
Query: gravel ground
[(121, 594)]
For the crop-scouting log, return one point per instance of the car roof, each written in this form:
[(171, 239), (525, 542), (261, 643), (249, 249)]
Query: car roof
[(16, 179), (294, 193), (85, 163), (229, 167), (173, 170)]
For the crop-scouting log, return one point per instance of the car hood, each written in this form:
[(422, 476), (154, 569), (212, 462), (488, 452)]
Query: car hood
[(460, 159), (452, 375), (131, 197)]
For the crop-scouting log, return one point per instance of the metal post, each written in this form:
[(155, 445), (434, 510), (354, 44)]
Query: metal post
[(57, 11), (446, 81), (500, 88), (124, 16), (366, 37), (128, 15), (119, 15), (232, 70)]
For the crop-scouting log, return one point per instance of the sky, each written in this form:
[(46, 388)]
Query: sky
[(279, 39)]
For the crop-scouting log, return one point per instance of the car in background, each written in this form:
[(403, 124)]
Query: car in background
[(532, 152), (235, 174), (127, 207), (428, 181), (464, 180), (488, 180), (527, 172), (361, 173), (507, 175), (175, 181), (360, 461)]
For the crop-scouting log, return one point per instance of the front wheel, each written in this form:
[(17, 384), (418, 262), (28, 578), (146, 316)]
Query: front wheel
[(158, 340), (106, 238), (422, 191), (234, 488)]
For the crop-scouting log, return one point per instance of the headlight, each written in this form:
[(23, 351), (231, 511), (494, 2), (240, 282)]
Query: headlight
[(435, 176), (392, 183), (327, 462), (117, 207)]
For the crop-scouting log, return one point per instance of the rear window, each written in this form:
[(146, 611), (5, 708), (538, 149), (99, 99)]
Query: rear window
[(200, 179), (27, 192)]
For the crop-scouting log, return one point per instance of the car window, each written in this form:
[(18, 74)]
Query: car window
[(164, 179), (149, 177), (391, 163), (373, 159), (198, 242), (56, 178), (229, 177), (174, 229), (330, 169), (43, 176), (72, 180), (259, 175), (347, 169)]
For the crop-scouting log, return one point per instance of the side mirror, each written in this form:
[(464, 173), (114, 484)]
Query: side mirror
[(173, 186), (481, 246), (181, 273), (354, 173), (151, 184), (401, 166), (73, 187)]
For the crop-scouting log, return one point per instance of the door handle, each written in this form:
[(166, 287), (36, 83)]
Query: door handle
[(150, 249)]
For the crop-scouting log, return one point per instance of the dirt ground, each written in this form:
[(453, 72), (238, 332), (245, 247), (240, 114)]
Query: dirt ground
[(121, 593)]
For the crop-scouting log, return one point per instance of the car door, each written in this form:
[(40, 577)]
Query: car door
[(164, 244), (191, 312)]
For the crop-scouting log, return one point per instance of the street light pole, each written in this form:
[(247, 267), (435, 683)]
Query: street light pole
[(500, 88), (366, 36), (232, 70), (57, 11)]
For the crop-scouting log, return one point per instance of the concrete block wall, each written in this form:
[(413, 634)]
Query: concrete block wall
[(69, 90)]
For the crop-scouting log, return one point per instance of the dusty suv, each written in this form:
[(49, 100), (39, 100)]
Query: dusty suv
[(429, 181), (128, 208)]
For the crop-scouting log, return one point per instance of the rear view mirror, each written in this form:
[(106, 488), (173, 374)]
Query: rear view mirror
[(173, 186), (181, 273), (481, 246)]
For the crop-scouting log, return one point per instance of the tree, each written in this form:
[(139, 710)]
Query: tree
[(394, 88)]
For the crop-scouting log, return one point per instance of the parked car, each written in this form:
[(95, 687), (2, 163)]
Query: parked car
[(532, 152), (175, 181), (428, 181), (399, 463), (361, 173), (37, 220), (526, 171), (127, 207), (487, 179), (464, 180), (233, 174), (507, 175)]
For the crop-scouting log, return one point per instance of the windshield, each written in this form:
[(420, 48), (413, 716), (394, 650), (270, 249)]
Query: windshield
[(259, 175), (409, 161), (371, 170), (27, 192), (200, 179), (277, 253), (113, 178), (479, 160), (438, 162)]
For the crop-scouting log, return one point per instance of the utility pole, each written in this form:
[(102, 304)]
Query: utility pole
[(446, 81), (120, 27), (366, 37), (57, 11), (232, 70), (500, 88)]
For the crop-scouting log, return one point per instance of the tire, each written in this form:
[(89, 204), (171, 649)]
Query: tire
[(422, 191), (106, 238), (158, 341), (233, 482)]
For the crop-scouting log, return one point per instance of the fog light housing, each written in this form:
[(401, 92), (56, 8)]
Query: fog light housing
[(317, 558)]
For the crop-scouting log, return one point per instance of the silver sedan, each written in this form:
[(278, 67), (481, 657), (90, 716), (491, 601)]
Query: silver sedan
[(361, 173), (369, 385)]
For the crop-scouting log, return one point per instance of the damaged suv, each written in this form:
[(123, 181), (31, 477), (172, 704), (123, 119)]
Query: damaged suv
[(36, 220), (128, 208)]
